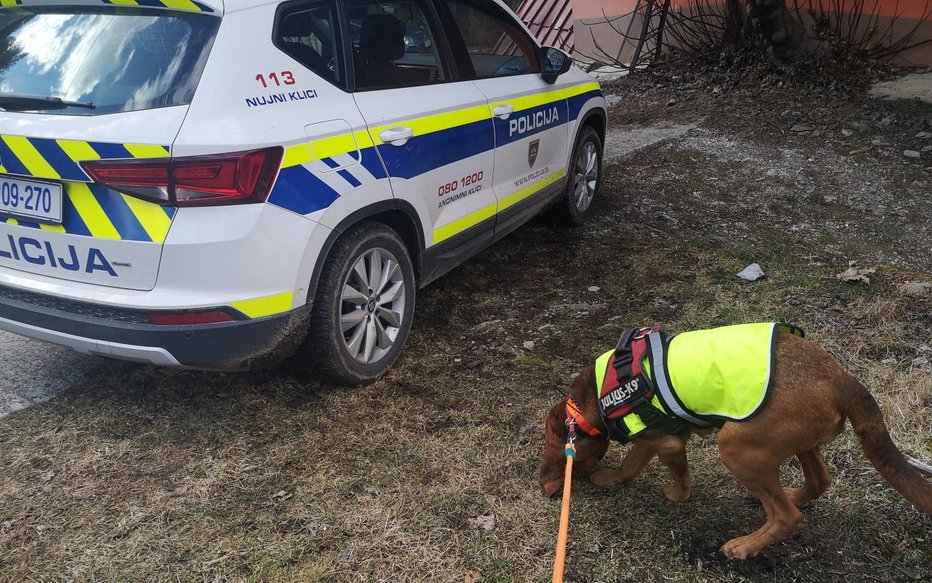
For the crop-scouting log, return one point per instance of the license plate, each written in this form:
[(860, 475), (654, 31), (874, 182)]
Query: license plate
[(31, 199)]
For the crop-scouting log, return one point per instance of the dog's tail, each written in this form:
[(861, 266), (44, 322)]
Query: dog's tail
[(861, 409)]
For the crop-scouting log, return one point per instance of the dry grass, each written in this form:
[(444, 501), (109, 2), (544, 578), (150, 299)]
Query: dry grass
[(141, 474)]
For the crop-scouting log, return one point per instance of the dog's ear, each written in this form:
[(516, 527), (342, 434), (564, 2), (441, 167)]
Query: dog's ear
[(553, 464)]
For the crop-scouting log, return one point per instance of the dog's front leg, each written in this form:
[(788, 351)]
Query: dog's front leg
[(672, 453), (636, 460)]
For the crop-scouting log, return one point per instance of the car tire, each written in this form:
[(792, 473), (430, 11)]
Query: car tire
[(584, 175), (363, 309)]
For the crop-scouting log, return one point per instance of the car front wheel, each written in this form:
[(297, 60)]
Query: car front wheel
[(364, 306), (584, 174)]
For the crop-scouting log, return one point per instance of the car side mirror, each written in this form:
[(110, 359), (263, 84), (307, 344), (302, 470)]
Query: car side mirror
[(554, 63)]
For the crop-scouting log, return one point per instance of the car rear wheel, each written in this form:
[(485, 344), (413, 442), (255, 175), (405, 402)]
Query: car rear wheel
[(364, 306), (584, 174)]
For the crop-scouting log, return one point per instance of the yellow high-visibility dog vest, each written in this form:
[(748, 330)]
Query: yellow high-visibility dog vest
[(701, 378)]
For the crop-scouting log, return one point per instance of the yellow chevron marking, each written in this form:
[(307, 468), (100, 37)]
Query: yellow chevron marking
[(151, 216), (30, 157), (527, 191), (7, 2), (12, 222), (181, 5), (52, 228), (124, 2), (329, 147), (89, 209), (78, 150), (265, 306), (296, 155), (435, 123), (146, 151), (460, 225)]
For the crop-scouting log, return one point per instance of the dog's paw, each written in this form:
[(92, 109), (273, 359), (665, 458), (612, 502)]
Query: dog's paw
[(740, 548), (676, 492), (606, 477)]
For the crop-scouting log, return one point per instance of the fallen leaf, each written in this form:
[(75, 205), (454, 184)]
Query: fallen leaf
[(856, 274), (485, 522), (472, 576), (179, 491), (917, 289)]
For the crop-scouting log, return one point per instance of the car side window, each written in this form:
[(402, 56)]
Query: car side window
[(308, 33), (496, 45), (393, 44)]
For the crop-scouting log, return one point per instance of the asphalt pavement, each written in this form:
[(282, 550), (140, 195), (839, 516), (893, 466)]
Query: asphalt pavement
[(34, 371)]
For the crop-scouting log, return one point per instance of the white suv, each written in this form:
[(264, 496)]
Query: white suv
[(215, 184)]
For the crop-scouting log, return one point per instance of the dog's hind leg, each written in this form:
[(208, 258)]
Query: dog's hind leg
[(817, 478), (758, 470)]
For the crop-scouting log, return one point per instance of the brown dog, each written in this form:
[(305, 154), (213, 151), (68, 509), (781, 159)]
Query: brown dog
[(811, 397)]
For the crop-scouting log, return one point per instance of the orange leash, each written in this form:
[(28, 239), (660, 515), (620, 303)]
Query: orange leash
[(570, 452)]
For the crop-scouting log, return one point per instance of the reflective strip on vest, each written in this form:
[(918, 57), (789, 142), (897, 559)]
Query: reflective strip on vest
[(663, 387)]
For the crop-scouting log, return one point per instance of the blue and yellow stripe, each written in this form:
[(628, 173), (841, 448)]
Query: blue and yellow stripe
[(298, 189), (183, 5), (88, 209)]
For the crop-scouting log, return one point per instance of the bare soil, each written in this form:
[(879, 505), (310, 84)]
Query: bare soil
[(430, 474)]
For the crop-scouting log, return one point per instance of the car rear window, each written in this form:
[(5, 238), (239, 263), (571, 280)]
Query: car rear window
[(100, 61)]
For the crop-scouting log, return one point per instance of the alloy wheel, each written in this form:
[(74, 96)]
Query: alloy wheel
[(586, 175), (372, 305)]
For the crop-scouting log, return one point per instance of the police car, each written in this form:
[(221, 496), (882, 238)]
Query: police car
[(217, 184)]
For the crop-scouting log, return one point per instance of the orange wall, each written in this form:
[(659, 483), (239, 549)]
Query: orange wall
[(914, 9), (908, 9), (597, 39)]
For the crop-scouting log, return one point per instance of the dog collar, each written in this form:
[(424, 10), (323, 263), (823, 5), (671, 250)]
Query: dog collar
[(574, 415)]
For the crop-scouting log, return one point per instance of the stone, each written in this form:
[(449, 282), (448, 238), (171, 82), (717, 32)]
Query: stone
[(752, 272), (911, 154)]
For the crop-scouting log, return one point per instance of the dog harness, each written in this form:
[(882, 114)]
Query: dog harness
[(694, 379)]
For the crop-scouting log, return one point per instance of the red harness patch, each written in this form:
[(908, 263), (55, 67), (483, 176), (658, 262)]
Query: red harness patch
[(617, 400)]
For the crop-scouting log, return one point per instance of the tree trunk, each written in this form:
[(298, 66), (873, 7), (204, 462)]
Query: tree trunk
[(780, 30), (734, 23)]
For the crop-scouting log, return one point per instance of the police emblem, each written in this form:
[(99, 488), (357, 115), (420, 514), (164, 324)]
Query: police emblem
[(532, 150)]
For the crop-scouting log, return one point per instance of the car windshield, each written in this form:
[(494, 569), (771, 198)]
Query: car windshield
[(63, 61)]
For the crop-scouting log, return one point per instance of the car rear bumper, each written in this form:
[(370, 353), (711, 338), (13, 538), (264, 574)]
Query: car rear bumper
[(125, 335)]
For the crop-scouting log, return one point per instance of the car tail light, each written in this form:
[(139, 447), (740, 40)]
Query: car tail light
[(195, 181)]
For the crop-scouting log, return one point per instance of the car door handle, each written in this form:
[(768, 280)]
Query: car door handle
[(503, 111), (397, 136)]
